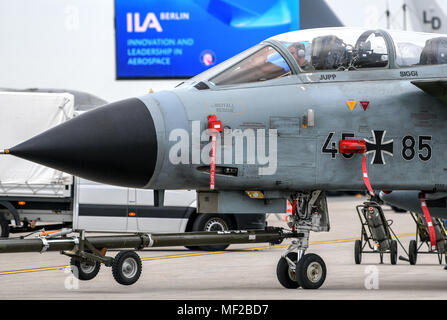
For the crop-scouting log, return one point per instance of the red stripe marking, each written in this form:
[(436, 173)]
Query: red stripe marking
[(213, 160), (293, 212), (365, 176), (431, 228)]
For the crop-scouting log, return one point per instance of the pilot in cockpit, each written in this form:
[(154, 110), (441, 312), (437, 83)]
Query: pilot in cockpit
[(298, 50)]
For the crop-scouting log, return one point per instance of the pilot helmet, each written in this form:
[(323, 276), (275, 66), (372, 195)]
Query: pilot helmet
[(300, 49)]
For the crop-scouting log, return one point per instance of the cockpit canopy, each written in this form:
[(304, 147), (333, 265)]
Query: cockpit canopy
[(336, 49), (329, 49), (264, 64), (418, 49)]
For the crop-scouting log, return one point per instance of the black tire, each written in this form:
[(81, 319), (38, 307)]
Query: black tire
[(393, 252), (311, 271), (211, 222), (193, 248), (413, 252), (4, 227), (358, 252), (84, 270), (287, 277), (126, 267)]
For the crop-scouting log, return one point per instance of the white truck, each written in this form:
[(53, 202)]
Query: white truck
[(34, 197)]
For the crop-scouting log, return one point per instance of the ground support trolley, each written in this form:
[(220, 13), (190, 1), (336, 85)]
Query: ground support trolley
[(423, 237), (376, 233), (87, 254)]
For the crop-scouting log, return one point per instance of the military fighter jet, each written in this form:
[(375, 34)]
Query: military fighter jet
[(288, 119)]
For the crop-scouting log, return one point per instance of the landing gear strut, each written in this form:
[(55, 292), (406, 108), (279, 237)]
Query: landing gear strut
[(309, 213)]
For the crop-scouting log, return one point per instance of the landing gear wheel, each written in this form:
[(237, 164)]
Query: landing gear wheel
[(286, 276), (85, 270), (413, 252), (393, 252), (4, 227), (126, 267), (358, 252), (310, 271), (211, 222)]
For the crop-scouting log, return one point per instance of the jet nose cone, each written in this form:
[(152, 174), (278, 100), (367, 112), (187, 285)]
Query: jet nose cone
[(114, 144)]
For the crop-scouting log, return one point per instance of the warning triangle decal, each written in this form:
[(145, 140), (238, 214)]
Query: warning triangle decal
[(364, 104), (351, 104)]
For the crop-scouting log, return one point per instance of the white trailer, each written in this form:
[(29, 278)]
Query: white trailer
[(33, 196), (31, 192)]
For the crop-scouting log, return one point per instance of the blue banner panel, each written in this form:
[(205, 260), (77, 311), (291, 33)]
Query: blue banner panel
[(181, 38)]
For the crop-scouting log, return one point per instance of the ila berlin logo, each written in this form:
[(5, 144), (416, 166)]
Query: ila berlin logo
[(150, 22)]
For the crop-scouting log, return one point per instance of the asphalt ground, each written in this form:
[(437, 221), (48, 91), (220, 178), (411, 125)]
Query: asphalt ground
[(242, 272)]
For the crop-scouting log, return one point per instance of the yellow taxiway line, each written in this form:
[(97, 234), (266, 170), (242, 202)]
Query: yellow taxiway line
[(32, 270), (198, 254)]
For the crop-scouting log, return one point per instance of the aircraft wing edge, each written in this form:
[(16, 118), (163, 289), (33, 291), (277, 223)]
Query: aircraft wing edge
[(434, 87)]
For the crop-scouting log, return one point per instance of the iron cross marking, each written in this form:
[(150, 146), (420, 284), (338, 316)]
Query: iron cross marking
[(378, 147)]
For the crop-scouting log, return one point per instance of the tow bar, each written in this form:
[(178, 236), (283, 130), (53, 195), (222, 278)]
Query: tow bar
[(87, 253)]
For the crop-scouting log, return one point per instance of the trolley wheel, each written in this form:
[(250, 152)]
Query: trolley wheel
[(286, 276), (84, 270), (440, 255), (413, 252), (358, 252), (310, 271), (393, 252), (126, 267), (4, 227)]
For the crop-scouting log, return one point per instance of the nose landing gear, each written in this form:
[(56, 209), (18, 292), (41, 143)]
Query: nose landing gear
[(295, 268), (311, 271), (286, 271)]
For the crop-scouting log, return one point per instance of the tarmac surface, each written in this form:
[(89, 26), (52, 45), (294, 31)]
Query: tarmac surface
[(242, 272)]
